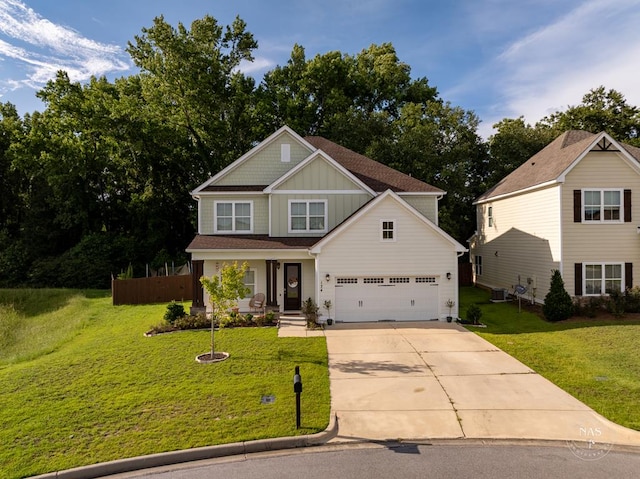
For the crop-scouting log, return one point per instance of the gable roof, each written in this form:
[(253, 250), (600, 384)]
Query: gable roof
[(317, 247), (552, 162), (375, 175)]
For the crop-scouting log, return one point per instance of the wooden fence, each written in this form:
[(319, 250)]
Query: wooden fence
[(157, 289), (465, 274)]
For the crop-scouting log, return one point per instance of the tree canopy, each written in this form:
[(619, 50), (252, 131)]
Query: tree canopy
[(100, 179)]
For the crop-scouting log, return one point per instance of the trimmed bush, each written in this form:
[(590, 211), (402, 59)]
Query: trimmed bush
[(474, 313), (557, 303), (174, 311)]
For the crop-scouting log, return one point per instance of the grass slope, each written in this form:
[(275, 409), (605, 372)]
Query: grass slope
[(107, 392), (595, 360)]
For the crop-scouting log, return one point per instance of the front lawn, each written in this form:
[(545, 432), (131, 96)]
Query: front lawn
[(595, 360), (101, 390)]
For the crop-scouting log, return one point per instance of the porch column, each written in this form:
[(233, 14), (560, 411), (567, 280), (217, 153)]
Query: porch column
[(272, 281), (197, 304)]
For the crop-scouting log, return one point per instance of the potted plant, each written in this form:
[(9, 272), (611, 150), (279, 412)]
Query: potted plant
[(327, 306), (450, 304)]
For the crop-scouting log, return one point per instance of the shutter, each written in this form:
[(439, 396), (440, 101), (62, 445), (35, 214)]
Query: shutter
[(578, 279), (627, 206), (628, 275), (577, 206)]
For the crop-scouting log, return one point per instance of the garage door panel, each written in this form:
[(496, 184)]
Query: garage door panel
[(390, 298)]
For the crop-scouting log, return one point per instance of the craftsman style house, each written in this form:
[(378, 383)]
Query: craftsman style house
[(316, 220), (569, 207)]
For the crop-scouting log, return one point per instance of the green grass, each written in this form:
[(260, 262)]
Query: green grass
[(102, 391), (595, 360)]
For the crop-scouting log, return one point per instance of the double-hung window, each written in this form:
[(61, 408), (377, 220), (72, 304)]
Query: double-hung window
[(602, 206), (602, 278), (307, 216), (233, 217)]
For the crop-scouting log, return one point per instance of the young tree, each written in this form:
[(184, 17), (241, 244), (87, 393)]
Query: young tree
[(224, 291), (557, 302)]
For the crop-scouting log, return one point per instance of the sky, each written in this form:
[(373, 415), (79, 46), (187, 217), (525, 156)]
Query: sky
[(498, 58)]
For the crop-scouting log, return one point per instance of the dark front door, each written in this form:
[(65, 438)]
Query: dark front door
[(292, 286)]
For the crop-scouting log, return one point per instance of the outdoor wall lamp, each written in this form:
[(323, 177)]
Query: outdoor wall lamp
[(449, 276), (327, 277), (278, 264)]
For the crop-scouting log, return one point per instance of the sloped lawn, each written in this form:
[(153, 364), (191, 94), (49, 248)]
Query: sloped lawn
[(102, 391), (595, 360)]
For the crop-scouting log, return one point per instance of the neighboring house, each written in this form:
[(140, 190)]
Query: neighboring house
[(569, 207), (316, 220)]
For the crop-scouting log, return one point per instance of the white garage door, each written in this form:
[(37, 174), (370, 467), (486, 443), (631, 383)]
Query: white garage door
[(398, 298)]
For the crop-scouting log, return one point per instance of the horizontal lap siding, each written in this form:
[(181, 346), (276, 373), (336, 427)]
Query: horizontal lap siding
[(260, 212), (417, 251), (523, 242), (603, 242)]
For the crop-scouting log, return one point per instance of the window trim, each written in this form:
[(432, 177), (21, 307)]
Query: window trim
[(477, 264), (308, 230), (490, 216), (621, 215), (603, 278), (393, 229), (233, 217)]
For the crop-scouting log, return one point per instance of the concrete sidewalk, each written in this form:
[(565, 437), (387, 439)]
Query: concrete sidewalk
[(434, 380)]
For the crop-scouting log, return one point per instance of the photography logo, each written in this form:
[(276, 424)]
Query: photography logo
[(589, 446)]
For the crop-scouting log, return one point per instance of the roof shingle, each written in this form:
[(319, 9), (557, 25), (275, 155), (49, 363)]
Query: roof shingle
[(250, 242)]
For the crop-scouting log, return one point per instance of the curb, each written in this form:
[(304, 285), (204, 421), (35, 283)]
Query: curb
[(188, 455)]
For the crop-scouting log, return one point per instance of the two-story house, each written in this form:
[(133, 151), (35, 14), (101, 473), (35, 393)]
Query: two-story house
[(569, 207), (316, 220)]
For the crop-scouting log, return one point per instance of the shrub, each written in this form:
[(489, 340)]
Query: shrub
[(199, 321), (270, 317), (632, 299), (310, 310), (557, 303), (174, 311), (474, 313), (616, 303)]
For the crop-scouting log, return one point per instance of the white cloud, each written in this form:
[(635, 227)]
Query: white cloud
[(39, 48), (596, 43)]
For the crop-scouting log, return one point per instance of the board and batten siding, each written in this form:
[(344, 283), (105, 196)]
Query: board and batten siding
[(599, 242), (339, 207), (418, 251), (260, 212), (318, 174), (425, 204), (523, 243), (266, 165)]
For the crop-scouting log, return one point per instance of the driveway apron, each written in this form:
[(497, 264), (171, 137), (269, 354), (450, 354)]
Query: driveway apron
[(438, 380)]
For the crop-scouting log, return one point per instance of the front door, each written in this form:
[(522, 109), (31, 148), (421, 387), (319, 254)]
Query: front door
[(292, 286)]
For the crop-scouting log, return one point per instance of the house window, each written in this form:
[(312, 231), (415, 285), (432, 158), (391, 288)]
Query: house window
[(602, 278), (250, 282), (387, 230), (602, 205), (233, 217), (309, 216), (490, 216), (478, 265)]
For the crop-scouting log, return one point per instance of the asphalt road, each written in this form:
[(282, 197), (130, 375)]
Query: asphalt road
[(365, 461)]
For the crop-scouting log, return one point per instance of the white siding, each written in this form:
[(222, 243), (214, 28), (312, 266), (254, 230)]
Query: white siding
[(522, 243), (417, 251)]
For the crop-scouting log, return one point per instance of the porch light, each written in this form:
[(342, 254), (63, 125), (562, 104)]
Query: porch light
[(327, 277), (449, 276)]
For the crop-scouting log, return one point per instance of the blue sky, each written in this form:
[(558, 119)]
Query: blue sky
[(499, 58)]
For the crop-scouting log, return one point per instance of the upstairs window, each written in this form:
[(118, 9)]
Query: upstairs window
[(308, 216), (490, 216), (602, 205), (233, 217), (387, 230)]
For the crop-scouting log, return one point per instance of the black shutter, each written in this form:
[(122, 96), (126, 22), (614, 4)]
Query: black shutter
[(628, 275), (627, 206), (577, 206), (578, 279)]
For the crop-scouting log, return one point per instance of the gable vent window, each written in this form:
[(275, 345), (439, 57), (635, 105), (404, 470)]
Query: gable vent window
[(427, 279), (398, 280), (387, 230), (347, 280), (285, 153), (373, 280)]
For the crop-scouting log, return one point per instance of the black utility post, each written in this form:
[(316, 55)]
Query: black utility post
[(297, 388)]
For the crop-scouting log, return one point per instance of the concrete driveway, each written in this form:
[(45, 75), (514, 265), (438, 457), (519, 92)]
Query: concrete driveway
[(438, 380)]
